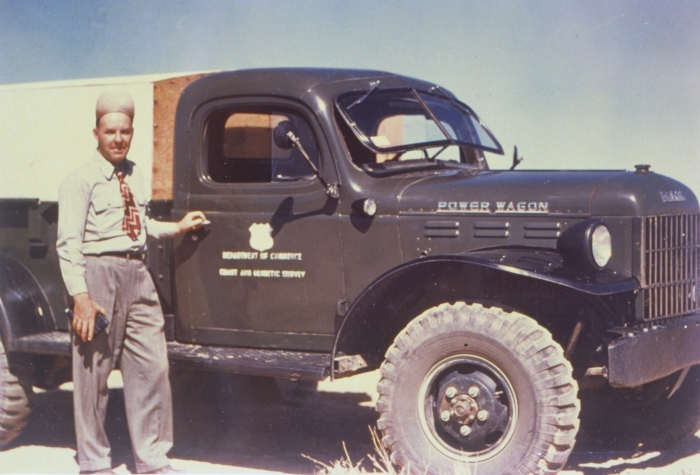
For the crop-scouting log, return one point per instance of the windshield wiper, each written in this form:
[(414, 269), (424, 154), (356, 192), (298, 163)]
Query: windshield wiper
[(432, 159), (374, 85)]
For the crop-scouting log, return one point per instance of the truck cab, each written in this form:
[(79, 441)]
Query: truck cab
[(355, 224)]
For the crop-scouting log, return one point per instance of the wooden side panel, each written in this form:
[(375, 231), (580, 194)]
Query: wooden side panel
[(166, 94)]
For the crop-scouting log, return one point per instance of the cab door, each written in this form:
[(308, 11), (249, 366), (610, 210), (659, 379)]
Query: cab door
[(267, 271)]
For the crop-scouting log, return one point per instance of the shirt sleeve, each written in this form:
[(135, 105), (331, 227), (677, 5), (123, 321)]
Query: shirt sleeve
[(73, 204), (160, 229)]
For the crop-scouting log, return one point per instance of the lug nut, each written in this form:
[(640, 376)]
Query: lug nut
[(482, 415), (465, 430), (451, 392), (473, 392), (445, 416)]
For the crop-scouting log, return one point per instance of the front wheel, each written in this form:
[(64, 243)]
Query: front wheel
[(468, 385)]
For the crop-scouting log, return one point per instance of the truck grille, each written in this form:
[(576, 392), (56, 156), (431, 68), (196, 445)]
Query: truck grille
[(670, 266)]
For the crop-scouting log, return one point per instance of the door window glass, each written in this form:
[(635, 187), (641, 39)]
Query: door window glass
[(241, 148)]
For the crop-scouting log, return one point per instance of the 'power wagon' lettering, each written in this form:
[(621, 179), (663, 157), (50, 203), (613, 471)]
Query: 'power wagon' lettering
[(487, 207)]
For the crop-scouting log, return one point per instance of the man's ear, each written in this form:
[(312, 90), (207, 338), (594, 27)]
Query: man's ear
[(94, 133)]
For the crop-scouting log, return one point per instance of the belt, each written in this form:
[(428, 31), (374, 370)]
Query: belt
[(128, 255)]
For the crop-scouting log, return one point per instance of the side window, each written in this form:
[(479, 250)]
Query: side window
[(241, 149)]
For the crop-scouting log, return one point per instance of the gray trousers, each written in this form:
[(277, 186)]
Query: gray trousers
[(135, 341)]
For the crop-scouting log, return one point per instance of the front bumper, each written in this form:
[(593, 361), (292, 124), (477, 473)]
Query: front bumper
[(640, 357)]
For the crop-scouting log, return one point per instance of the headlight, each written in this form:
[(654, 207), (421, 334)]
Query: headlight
[(601, 245), (586, 245)]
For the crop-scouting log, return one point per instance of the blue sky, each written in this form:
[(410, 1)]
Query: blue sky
[(574, 84)]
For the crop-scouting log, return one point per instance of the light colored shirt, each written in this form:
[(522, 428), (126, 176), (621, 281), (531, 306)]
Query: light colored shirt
[(90, 214)]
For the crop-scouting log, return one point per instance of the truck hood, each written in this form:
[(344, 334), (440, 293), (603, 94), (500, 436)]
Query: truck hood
[(582, 193)]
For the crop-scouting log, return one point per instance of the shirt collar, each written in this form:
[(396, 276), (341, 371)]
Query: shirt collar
[(107, 168)]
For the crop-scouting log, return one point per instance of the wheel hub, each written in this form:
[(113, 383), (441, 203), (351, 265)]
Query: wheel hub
[(469, 410), (462, 408)]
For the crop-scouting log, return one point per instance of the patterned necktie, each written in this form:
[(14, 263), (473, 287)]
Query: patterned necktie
[(131, 222)]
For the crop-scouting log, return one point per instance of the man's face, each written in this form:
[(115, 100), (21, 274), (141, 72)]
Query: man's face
[(114, 133)]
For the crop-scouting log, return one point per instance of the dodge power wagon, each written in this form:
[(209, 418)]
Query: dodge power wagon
[(357, 225)]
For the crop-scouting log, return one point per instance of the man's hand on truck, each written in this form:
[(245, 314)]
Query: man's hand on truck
[(191, 221)]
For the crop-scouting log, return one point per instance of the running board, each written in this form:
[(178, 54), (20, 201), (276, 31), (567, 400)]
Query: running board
[(49, 343), (273, 363)]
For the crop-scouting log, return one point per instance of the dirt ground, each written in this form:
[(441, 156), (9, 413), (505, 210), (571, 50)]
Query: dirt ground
[(238, 425)]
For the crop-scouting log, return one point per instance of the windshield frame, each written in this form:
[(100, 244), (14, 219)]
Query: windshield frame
[(418, 94)]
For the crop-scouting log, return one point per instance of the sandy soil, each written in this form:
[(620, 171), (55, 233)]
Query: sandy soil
[(233, 425)]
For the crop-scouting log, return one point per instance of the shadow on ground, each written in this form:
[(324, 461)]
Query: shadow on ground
[(247, 422), (252, 422), (589, 459), (238, 421)]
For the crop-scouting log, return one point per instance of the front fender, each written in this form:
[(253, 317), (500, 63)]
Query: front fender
[(388, 303), (548, 266), (24, 307)]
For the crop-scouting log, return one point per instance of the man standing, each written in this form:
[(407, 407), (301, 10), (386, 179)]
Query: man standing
[(102, 230)]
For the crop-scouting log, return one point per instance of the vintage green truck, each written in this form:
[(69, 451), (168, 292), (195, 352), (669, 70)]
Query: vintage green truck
[(356, 225)]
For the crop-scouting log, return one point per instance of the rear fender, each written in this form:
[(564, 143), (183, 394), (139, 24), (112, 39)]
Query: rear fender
[(24, 307), (386, 306)]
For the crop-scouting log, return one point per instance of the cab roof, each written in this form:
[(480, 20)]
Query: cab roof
[(309, 85)]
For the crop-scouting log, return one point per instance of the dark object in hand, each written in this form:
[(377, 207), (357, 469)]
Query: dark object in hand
[(101, 321)]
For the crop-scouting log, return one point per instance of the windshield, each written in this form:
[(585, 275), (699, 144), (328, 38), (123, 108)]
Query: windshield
[(405, 124)]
